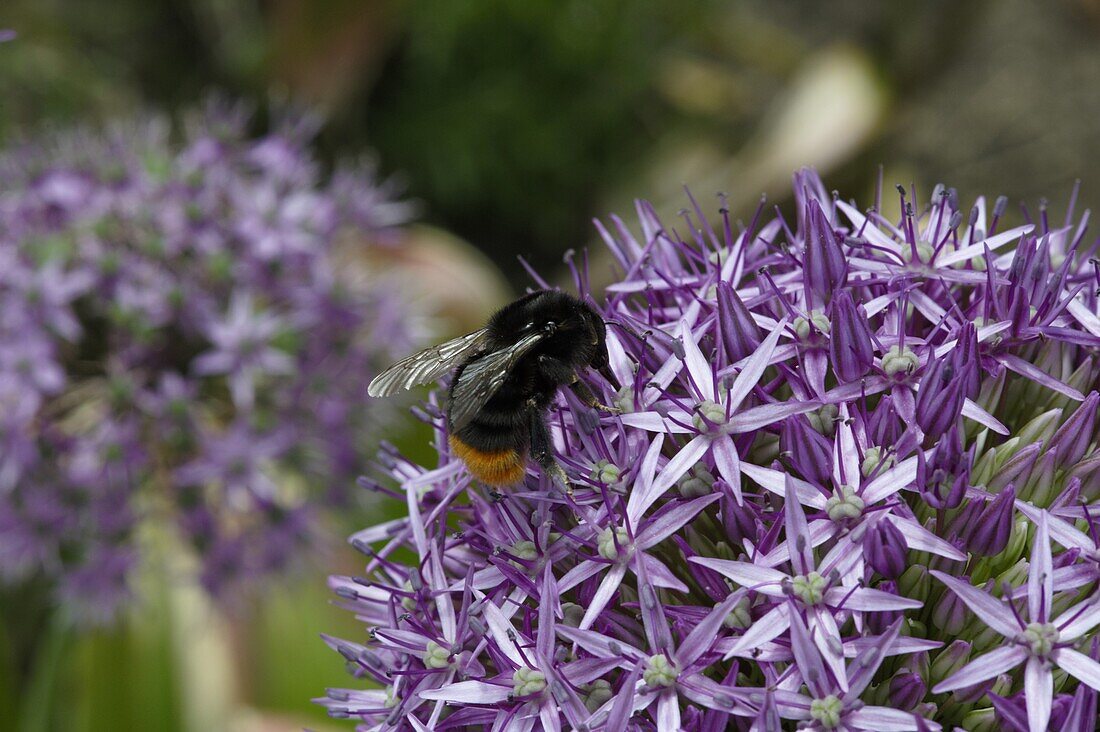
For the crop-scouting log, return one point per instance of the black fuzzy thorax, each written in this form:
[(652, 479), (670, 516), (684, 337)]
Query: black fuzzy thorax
[(577, 342)]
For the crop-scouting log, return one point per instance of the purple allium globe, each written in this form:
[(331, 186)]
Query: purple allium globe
[(854, 487), (176, 341)]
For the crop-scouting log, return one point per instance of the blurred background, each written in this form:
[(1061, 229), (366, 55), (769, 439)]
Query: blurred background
[(511, 124)]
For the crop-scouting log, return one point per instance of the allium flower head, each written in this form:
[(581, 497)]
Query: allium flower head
[(853, 487), (175, 341)]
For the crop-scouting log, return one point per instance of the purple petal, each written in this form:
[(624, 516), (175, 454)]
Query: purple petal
[(1039, 376), (808, 658), (668, 711), (774, 623), (579, 574), (1039, 691), (600, 645), (1040, 576), (984, 667), (469, 692), (992, 611), (503, 632), (749, 576), (623, 707), (643, 496), (798, 532), (728, 463), (608, 585), (891, 481), (826, 636), (699, 369), (1078, 665), (668, 521), (757, 417), (921, 539), (776, 482), (659, 574), (846, 468), (978, 248), (867, 663), (703, 635), (972, 411), (866, 599), (683, 461), (1061, 531), (1084, 316), (655, 422), (884, 719), (754, 367), (1079, 619), (821, 530)]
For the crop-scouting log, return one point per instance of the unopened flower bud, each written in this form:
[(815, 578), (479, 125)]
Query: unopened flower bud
[(943, 480), (915, 583), (825, 267), (982, 720), (940, 399), (950, 614), (807, 450), (949, 660), (850, 344), (907, 689), (994, 525), (884, 548), (740, 334)]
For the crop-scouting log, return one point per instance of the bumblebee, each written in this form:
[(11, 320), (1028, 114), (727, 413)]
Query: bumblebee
[(506, 377)]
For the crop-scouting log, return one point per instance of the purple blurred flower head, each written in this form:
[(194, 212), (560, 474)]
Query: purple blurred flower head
[(853, 486), (172, 324)]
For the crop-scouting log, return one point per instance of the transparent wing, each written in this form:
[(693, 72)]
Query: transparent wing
[(427, 365), (482, 378)]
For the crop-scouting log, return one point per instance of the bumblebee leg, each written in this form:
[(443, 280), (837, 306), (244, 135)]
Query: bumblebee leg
[(542, 451), (585, 395), (556, 370)]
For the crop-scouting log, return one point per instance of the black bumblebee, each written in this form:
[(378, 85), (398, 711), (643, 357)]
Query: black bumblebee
[(508, 373)]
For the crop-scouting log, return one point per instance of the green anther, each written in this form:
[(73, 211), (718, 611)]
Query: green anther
[(846, 505), (571, 614), (809, 588), (659, 671), (740, 617), (407, 602), (697, 482), (597, 693), (624, 400), (605, 471), (872, 461), (827, 711), (527, 681), (899, 360), (1040, 637), (606, 543), (924, 252), (817, 318), (436, 656), (708, 411), (524, 550), (824, 419)]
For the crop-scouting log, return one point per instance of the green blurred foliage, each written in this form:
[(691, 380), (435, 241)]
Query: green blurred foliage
[(545, 103)]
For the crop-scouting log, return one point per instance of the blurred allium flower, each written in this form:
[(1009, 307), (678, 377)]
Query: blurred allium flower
[(175, 340), (854, 486)]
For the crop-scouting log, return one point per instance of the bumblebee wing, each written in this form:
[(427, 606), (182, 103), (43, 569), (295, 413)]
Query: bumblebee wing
[(427, 365), (482, 378)]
